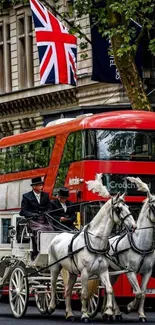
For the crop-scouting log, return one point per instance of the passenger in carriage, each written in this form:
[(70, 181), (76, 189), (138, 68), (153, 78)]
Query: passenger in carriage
[(33, 207), (63, 211)]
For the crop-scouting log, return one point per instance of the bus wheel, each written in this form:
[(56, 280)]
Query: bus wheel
[(94, 297), (18, 292), (42, 300)]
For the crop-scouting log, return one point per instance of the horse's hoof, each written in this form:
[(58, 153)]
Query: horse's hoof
[(107, 317), (118, 317), (50, 310), (142, 319), (85, 320), (70, 318)]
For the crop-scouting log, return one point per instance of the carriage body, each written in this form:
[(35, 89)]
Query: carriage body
[(22, 278), (116, 144)]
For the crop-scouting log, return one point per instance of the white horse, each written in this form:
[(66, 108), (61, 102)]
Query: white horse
[(135, 251), (89, 247)]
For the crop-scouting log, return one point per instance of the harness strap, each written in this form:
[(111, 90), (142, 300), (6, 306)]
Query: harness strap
[(115, 257), (65, 228), (90, 248), (61, 259), (136, 249), (70, 249)]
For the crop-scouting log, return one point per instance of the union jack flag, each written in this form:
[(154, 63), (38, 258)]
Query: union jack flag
[(56, 47)]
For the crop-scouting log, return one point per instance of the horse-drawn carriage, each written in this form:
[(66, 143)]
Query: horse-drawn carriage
[(88, 257), (25, 278)]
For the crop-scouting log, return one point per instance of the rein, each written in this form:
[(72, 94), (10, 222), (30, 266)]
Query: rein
[(50, 265)]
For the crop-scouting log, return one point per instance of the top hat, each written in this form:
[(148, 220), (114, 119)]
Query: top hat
[(64, 192), (37, 181)]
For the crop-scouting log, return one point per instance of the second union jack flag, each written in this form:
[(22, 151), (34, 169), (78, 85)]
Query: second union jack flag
[(57, 48)]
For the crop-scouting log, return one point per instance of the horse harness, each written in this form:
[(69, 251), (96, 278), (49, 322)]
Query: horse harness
[(103, 251), (88, 245), (133, 246)]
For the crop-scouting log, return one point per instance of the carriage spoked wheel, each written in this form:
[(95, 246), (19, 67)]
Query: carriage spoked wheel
[(42, 300), (18, 292), (94, 297)]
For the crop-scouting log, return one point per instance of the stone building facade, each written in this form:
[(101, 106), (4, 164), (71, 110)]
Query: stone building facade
[(24, 103)]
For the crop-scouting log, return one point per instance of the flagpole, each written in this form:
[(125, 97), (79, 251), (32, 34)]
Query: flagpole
[(67, 21)]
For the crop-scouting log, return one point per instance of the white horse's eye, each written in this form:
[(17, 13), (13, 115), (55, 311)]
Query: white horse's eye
[(118, 210)]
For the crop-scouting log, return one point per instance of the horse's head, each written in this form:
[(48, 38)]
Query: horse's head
[(121, 213)]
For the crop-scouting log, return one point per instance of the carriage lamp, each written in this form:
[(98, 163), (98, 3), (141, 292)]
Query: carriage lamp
[(12, 231)]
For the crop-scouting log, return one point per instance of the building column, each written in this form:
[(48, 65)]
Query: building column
[(16, 127), (38, 121)]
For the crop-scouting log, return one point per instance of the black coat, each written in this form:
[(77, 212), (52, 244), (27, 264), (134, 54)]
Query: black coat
[(57, 212), (30, 204)]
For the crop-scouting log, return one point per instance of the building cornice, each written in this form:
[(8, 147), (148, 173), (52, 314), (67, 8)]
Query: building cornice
[(34, 103)]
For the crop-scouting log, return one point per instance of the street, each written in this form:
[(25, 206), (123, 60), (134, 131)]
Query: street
[(33, 316)]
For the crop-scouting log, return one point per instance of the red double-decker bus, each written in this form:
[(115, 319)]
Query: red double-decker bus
[(116, 144)]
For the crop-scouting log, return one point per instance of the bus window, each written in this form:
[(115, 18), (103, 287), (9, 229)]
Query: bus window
[(72, 152), (141, 144), (90, 210), (89, 144), (118, 183), (26, 156), (5, 223), (125, 145)]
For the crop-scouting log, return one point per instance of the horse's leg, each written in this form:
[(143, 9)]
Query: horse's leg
[(84, 295), (116, 309), (68, 291), (107, 310), (144, 282), (132, 277), (55, 270)]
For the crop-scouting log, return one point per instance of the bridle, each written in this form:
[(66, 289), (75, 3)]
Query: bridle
[(117, 210), (131, 241), (152, 208)]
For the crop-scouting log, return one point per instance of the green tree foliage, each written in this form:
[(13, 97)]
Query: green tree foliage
[(114, 18)]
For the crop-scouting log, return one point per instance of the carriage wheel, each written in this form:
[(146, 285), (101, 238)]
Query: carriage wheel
[(18, 292), (42, 300), (94, 298)]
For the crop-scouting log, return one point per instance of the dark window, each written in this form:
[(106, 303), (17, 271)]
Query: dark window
[(118, 183), (25, 51), (91, 209), (5, 225), (125, 145), (26, 156), (73, 151), (90, 144)]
